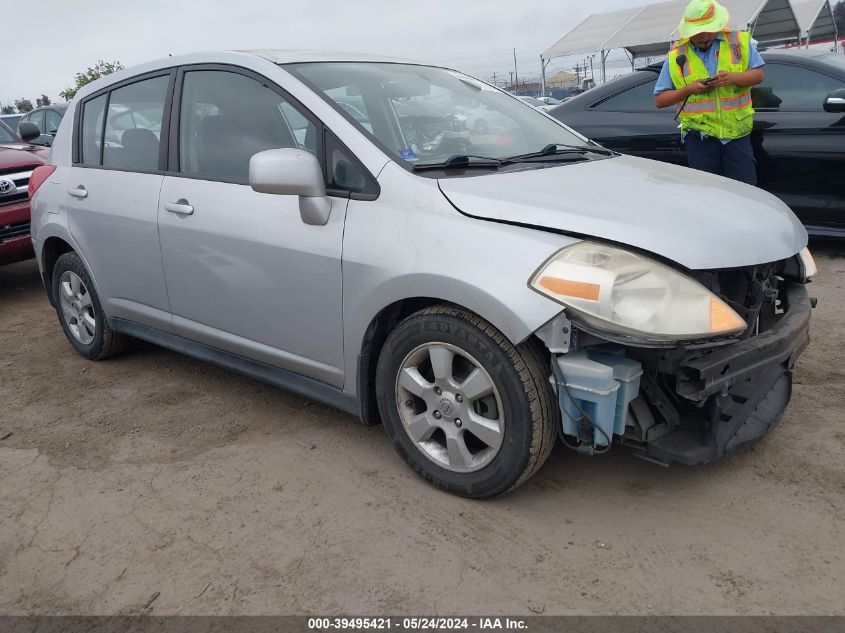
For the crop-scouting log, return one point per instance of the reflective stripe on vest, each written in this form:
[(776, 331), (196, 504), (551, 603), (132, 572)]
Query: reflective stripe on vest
[(736, 103), (723, 112)]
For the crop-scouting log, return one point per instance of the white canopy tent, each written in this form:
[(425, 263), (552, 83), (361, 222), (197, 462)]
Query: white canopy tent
[(649, 30), (816, 20)]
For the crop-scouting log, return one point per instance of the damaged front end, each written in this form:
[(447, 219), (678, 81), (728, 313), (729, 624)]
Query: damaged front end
[(689, 401)]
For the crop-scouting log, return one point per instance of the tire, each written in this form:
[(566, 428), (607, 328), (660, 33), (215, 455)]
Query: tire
[(80, 313), (515, 417)]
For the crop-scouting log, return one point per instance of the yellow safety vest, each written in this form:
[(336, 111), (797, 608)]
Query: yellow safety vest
[(726, 112)]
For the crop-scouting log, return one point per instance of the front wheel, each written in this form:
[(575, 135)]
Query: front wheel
[(80, 312), (469, 411)]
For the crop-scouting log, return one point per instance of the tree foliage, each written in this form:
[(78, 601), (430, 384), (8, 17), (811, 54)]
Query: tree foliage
[(7, 109), (43, 100), (23, 105), (100, 69)]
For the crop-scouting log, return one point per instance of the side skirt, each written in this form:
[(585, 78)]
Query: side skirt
[(290, 381)]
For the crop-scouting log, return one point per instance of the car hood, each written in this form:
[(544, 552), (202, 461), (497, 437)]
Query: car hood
[(696, 219), (13, 155)]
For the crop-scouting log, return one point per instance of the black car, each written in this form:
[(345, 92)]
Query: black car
[(47, 118), (798, 137)]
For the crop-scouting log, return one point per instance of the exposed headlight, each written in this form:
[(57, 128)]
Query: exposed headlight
[(624, 292), (808, 264)]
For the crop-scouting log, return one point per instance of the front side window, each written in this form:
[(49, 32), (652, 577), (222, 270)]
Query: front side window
[(788, 87), (52, 121), (421, 114), (92, 130), (38, 119), (133, 125), (637, 99), (226, 118)]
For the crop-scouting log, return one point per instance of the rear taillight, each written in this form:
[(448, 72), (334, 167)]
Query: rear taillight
[(39, 175)]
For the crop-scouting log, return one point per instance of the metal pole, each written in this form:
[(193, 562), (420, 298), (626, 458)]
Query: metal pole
[(604, 67), (542, 77), (515, 70)]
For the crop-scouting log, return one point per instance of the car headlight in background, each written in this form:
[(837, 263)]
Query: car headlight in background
[(624, 292)]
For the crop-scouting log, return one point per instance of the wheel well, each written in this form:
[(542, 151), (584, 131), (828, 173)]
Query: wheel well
[(54, 247), (374, 338)]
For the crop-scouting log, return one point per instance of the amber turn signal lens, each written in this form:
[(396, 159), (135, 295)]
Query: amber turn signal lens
[(569, 288), (724, 320)]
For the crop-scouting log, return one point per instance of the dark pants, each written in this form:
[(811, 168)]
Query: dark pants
[(734, 160)]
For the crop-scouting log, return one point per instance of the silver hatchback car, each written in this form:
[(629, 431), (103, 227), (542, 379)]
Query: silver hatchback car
[(336, 226)]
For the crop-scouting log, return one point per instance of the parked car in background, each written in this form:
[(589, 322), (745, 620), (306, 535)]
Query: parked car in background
[(481, 294), (47, 118), (798, 137), (18, 159), (550, 101), (11, 120), (534, 102)]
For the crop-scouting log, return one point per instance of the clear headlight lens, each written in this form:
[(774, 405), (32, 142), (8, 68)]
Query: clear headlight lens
[(627, 293), (808, 264)]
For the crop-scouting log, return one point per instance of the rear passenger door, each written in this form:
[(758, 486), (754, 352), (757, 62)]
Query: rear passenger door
[(244, 273), (113, 191)]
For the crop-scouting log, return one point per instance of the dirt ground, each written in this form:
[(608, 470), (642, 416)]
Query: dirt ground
[(156, 477)]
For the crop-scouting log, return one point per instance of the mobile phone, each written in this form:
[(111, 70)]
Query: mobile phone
[(708, 81)]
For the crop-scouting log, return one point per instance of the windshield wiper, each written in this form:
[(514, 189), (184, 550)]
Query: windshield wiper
[(558, 149), (463, 161)]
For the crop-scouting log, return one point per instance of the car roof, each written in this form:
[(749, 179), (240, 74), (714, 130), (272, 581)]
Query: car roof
[(282, 56), (772, 53)]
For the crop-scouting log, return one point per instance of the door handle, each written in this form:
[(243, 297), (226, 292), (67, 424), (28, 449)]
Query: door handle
[(180, 207), (79, 192)]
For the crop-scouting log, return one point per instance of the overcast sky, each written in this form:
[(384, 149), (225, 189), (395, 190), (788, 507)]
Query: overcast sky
[(477, 36)]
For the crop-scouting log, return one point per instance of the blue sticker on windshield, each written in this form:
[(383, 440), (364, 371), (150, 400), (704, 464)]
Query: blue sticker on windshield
[(407, 154)]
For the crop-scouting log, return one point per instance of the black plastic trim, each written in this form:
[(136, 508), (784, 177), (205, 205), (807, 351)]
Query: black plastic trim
[(708, 374), (303, 385)]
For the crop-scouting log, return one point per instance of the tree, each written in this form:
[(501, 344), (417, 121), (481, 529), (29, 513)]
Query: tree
[(43, 100), (7, 109), (23, 105), (839, 16), (100, 69)]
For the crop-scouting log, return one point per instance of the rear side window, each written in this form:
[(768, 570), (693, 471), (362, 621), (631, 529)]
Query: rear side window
[(637, 99), (92, 130), (133, 125), (226, 118)]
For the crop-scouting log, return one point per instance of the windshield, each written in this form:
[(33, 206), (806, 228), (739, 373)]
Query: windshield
[(6, 135), (424, 115)]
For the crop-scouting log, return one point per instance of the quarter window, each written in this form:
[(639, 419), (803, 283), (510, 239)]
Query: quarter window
[(133, 125), (226, 118), (92, 130), (788, 87)]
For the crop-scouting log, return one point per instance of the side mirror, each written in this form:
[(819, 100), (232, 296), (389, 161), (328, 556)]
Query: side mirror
[(292, 172), (835, 101), (28, 131)]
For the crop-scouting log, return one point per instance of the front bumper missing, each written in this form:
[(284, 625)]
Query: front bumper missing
[(741, 391), (696, 403)]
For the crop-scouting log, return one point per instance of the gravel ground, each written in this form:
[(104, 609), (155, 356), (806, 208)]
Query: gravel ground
[(156, 474)]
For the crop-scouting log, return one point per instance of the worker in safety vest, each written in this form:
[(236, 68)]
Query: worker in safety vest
[(710, 72)]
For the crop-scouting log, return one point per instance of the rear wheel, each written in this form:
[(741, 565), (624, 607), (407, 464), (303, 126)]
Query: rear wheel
[(468, 410), (80, 312)]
